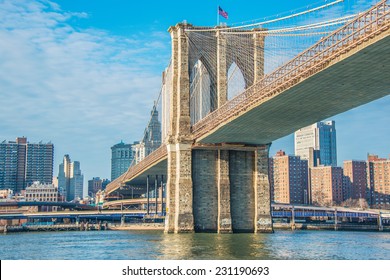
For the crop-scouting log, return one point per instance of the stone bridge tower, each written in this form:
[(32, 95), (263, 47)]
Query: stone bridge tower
[(215, 187)]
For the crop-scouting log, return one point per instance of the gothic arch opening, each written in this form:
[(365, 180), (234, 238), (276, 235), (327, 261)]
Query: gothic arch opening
[(200, 92), (235, 81)]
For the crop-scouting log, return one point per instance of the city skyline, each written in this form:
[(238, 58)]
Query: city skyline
[(85, 76)]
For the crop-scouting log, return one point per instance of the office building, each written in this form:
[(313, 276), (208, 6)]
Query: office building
[(326, 185), (321, 138), (70, 179), (121, 158), (39, 165), (22, 163)]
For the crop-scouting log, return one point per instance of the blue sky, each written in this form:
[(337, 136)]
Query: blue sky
[(83, 74)]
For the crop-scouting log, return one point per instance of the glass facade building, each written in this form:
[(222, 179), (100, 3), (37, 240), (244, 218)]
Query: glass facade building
[(321, 138)]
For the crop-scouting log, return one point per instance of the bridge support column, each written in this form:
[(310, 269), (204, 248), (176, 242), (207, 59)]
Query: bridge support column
[(184, 218), (170, 190), (242, 201), (162, 195), (204, 180), (263, 219), (179, 181), (171, 148), (223, 184), (380, 224), (292, 221), (147, 195), (155, 195)]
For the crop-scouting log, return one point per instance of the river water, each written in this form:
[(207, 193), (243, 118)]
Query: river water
[(155, 245)]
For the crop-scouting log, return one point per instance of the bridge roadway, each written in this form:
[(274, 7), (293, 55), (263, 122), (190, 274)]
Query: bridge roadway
[(349, 68)]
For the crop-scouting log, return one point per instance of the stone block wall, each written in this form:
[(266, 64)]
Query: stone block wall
[(241, 190), (205, 190)]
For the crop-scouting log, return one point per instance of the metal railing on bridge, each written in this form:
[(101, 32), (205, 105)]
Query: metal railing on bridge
[(365, 26)]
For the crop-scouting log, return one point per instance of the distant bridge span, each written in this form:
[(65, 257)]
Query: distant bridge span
[(63, 204)]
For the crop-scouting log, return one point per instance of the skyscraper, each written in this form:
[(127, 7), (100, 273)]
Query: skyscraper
[(8, 165), (321, 137), (76, 181), (152, 134), (39, 163), (22, 163), (70, 179), (152, 138), (121, 158)]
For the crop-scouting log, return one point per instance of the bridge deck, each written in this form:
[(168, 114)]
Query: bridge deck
[(346, 69), (352, 79)]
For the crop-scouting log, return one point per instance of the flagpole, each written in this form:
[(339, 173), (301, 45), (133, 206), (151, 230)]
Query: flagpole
[(217, 15)]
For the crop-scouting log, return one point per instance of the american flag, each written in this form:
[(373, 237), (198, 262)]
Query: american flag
[(222, 12)]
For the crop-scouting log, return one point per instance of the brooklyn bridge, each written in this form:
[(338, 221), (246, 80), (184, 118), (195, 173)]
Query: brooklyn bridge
[(230, 91)]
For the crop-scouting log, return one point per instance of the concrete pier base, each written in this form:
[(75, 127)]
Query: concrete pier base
[(171, 191), (218, 190), (242, 201), (205, 190), (223, 185)]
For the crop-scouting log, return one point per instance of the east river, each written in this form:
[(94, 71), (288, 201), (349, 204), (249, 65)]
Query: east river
[(155, 245)]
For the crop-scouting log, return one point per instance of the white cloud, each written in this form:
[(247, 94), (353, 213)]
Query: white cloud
[(82, 89)]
